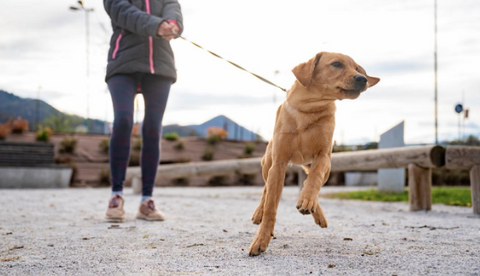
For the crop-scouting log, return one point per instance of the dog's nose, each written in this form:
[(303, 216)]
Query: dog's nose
[(360, 81)]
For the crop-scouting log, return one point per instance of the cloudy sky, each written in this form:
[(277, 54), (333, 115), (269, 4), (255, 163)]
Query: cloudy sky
[(42, 51)]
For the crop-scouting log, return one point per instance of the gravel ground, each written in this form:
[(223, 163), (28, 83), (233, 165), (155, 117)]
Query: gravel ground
[(208, 231)]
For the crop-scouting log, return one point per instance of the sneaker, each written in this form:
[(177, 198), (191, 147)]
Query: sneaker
[(115, 210), (147, 211)]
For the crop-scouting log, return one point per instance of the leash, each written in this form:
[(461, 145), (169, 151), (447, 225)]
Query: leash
[(236, 65)]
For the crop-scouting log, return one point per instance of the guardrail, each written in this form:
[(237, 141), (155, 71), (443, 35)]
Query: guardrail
[(418, 160)]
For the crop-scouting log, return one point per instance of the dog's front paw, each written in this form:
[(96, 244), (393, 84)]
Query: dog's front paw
[(307, 205), (257, 215), (259, 244), (319, 216)]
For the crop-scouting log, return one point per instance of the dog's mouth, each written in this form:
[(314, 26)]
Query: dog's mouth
[(350, 91)]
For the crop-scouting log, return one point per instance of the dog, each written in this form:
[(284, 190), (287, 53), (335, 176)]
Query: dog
[(303, 134)]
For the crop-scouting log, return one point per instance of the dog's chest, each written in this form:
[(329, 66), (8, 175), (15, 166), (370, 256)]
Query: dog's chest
[(309, 144)]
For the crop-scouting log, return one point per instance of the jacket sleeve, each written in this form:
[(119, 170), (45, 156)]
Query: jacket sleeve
[(129, 17), (173, 11)]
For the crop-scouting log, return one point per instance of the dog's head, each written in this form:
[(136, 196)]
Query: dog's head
[(335, 75)]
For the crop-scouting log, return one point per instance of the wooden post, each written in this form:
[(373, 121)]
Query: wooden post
[(475, 188), (419, 187), (136, 185)]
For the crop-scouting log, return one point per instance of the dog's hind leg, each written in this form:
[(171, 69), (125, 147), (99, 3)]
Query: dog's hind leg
[(266, 164), (308, 201), (276, 176)]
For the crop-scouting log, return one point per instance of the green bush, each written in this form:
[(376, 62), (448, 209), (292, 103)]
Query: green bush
[(138, 144), (249, 148), (172, 136), (68, 145), (179, 146), (43, 134), (104, 145), (213, 139), (208, 154)]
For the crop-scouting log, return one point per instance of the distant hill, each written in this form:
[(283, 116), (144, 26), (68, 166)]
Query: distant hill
[(14, 106), (182, 131), (235, 131)]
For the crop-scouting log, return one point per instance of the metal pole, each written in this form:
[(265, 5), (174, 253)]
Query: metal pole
[(459, 132), (463, 117), (37, 108), (89, 122), (435, 67)]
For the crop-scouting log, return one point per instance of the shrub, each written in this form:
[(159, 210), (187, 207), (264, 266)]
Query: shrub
[(249, 148), (104, 145), (179, 146), (138, 144), (4, 130), (213, 139), (208, 154), (68, 144), (43, 134), (19, 125), (171, 136), (218, 131)]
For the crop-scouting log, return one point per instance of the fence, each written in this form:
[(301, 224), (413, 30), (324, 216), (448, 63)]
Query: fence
[(418, 160)]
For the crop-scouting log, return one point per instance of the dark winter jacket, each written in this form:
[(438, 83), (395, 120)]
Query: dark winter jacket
[(135, 45)]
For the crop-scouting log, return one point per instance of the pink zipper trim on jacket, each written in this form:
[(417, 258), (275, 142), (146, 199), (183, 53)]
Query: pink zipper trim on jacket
[(150, 42), (117, 45)]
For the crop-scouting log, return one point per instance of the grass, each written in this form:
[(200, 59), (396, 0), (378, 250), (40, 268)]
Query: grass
[(449, 196)]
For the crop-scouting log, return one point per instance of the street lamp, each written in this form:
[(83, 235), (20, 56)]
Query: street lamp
[(82, 7), (435, 66)]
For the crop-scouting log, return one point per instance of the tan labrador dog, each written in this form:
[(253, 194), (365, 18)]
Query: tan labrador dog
[(303, 135)]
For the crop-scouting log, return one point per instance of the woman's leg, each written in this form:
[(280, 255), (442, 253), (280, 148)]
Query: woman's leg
[(122, 89), (155, 91)]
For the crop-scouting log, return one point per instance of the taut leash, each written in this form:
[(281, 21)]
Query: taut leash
[(236, 65)]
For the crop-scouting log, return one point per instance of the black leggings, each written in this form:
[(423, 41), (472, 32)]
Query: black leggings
[(123, 88)]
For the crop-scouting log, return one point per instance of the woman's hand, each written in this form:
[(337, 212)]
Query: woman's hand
[(168, 30)]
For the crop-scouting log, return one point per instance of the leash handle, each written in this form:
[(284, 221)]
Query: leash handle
[(234, 64)]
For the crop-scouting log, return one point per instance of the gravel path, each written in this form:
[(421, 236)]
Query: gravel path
[(208, 231)]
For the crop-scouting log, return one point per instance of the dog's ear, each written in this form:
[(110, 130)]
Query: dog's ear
[(370, 80), (304, 71)]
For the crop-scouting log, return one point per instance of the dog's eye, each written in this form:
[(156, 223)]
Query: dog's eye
[(337, 64)]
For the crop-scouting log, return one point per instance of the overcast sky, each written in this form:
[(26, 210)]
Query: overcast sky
[(42, 44)]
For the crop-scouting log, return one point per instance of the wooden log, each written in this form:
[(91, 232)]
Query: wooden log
[(221, 167), (475, 188), (369, 160), (419, 188), (462, 157)]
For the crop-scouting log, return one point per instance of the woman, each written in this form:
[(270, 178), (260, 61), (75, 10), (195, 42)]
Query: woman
[(140, 60)]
